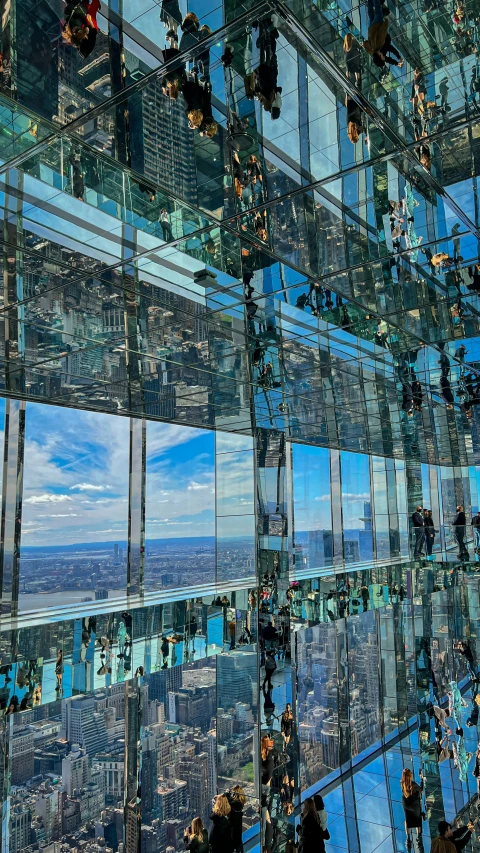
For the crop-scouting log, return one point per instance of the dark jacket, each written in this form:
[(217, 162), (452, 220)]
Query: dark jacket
[(221, 834), (461, 837), (311, 837), (476, 521), (460, 520), (446, 388), (377, 34), (236, 820), (412, 806), (196, 846), (417, 519), (193, 95), (354, 112), (428, 521), (76, 18), (268, 766), (354, 59)]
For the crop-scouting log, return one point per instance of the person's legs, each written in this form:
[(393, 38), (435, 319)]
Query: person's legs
[(428, 544), (461, 541), (419, 539)]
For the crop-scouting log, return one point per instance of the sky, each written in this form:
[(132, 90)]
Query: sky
[(76, 479), (311, 478)]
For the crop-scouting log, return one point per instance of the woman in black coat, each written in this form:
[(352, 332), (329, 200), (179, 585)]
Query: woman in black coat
[(429, 531), (268, 759), (221, 840), (237, 802), (197, 839), (311, 833), (412, 802)]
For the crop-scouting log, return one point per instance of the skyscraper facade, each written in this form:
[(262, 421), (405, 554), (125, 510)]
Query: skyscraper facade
[(240, 444)]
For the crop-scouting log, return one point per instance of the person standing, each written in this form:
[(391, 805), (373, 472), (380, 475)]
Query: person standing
[(353, 57), (267, 753), (232, 630), (165, 225), (270, 667), (419, 529), (465, 650), (237, 802), (412, 804), (171, 17), (221, 840), (322, 815), (451, 840), (459, 524), (429, 531), (311, 836), (476, 529), (287, 724), (196, 837)]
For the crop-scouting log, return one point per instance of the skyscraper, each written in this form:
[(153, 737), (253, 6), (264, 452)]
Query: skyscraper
[(240, 323)]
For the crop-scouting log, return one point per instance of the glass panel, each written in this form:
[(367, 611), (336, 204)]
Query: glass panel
[(75, 508), (312, 507), (357, 507), (180, 507)]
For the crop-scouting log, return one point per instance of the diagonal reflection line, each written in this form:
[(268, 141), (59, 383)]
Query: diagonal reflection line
[(137, 86), (372, 111)]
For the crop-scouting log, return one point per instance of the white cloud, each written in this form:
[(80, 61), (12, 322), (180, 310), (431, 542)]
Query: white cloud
[(111, 530), (346, 496), (89, 487), (45, 499), (194, 487), (60, 515)]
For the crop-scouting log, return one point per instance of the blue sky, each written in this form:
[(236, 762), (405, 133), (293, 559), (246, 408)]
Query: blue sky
[(76, 478), (311, 477)]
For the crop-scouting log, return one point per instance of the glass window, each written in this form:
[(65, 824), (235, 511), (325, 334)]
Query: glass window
[(357, 507), (180, 506), (75, 507), (312, 506), (380, 507)]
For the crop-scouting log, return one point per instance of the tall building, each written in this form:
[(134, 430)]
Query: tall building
[(82, 725), (22, 762), (75, 770)]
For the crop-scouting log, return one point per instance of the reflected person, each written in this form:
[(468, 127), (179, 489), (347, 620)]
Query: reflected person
[(476, 529), (429, 531), (419, 530), (459, 524)]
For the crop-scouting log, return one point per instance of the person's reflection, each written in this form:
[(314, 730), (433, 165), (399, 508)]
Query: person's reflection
[(268, 753), (171, 17), (268, 709), (59, 670), (472, 720), (286, 794), (81, 27), (267, 827), (165, 649), (287, 725)]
